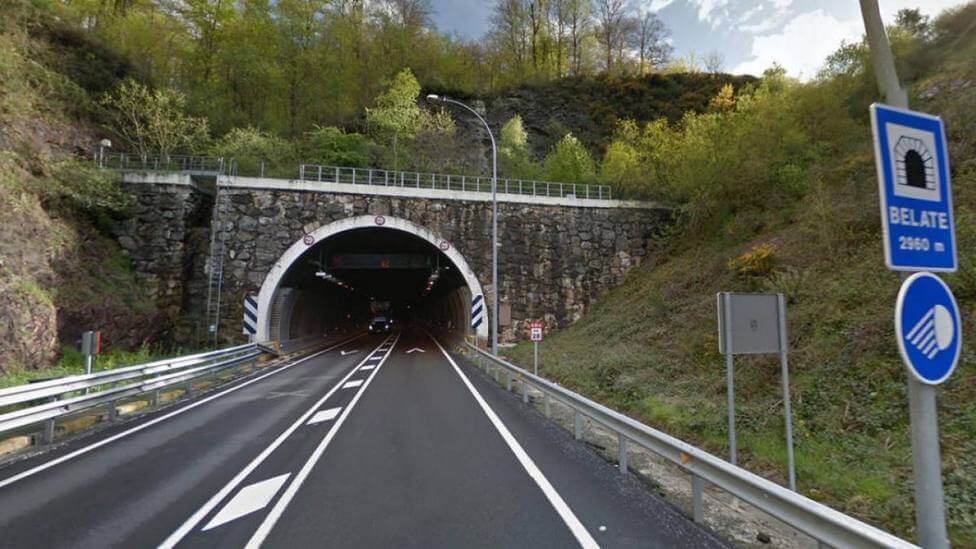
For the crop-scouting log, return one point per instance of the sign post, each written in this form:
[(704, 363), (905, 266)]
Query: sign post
[(916, 213), (755, 324), (536, 328), (91, 345)]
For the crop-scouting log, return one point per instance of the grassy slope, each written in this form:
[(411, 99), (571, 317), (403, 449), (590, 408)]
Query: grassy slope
[(59, 273), (655, 338)]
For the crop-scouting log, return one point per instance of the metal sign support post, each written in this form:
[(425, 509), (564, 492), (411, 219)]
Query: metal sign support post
[(536, 353), (784, 365), (930, 519), (727, 335)]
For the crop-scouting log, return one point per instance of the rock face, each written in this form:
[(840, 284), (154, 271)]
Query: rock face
[(554, 261)]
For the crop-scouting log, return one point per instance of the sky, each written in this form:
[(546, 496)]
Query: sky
[(750, 35)]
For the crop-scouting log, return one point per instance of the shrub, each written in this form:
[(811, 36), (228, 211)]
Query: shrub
[(569, 162), (514, 157), (153, 121), (256, 152), (334, 147), (758, 261)]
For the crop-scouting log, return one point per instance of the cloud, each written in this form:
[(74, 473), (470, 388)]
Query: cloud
[(802, 45)]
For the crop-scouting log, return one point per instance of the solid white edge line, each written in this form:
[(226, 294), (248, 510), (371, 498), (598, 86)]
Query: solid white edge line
[(269, 521), (562, 508), (81, 451), (201, 513)]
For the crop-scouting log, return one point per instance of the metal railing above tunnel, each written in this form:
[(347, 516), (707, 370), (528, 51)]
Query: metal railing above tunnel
[(450, 182), (196, 165)]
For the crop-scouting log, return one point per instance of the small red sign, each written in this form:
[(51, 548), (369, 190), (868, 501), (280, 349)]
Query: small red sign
[(380, 220), (444, 245), (536, 328), (308, 240)]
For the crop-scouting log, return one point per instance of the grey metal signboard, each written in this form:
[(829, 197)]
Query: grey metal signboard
[(755, 323)]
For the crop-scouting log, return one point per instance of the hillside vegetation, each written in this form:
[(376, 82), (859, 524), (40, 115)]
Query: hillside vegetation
[(776, 192), (60, 272)]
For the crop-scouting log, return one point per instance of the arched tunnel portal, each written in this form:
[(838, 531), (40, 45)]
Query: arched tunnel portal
[(341, 275)]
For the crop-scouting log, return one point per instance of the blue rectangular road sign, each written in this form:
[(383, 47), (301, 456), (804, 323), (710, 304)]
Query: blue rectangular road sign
[(916, 194)]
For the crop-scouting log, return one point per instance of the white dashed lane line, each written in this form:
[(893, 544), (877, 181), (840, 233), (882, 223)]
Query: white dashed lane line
[(353, 384)]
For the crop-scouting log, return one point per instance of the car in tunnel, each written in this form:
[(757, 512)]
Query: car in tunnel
[(380, 325)]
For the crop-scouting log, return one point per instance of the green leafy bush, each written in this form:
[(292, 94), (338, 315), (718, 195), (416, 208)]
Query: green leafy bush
[(85, 187), (569, 162), (258, 153), (333, 146)]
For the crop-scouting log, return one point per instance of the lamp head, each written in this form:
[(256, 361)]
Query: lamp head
[(433, 97), (105, 143)]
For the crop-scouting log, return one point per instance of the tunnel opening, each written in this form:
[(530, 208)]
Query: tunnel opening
[(339, 279)]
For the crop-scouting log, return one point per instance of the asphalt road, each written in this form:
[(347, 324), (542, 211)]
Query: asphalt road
[(397, 444)]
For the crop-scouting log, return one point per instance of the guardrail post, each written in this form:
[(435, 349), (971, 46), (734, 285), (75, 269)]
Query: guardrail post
[(545, 404), (113, 412), (508, 383), (369, 177), (697, 503), (188, 390), (48, 436), (622, 453), (525, 392), (154, 398), (354, 176), (577, 425)]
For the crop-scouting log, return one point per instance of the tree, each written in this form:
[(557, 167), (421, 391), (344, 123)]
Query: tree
[(612, 20), (569, 162), (514, 157), (914, 22), (396, 114), (579, 15), (152, 121), (650, 39), (714, 62)]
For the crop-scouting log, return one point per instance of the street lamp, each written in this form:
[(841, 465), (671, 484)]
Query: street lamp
[(494, 218)]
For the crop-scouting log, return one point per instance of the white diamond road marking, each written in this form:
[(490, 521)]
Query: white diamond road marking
[(324, 415), (351, 384), (250, 499), (369, 367)]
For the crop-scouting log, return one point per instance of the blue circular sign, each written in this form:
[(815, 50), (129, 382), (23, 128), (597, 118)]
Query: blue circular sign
[(928, 328)]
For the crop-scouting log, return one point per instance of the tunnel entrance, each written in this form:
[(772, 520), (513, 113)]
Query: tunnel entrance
[(342, 275)]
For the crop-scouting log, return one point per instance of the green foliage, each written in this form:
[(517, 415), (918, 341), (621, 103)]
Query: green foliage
[(333, 146), (397, 114), (257, 152), (514, 158), (85, 187), (153, 121), (569, 162)]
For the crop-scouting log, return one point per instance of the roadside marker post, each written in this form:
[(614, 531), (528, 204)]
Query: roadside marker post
[(925, 178), (91, 345), (536, 328), (250, 316), (753, 324)]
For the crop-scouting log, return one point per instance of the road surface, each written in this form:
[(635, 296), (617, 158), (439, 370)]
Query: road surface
[(387, 441)]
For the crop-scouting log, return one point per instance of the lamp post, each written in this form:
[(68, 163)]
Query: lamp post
[(494, 218)]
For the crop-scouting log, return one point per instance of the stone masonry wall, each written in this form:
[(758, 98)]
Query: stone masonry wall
[(554, 261)]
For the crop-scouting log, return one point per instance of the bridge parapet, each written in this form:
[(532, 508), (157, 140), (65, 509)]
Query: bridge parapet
[(451, 182)]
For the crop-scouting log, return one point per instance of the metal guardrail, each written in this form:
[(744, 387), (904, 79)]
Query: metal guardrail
[(199, 165), (450, 182), (828, 526), (70, 395)]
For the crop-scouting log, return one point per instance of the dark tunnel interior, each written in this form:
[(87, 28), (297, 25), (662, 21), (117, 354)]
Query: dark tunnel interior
[(342, 283)]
